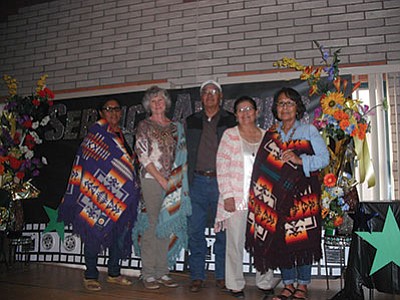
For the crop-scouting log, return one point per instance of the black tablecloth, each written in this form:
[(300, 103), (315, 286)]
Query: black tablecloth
[(369, 216)]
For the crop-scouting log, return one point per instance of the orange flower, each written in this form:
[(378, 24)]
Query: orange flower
[(318, 72), (338, 221), (344, 124), (324, 213), (330, 180), (336, 83), (362, 131), (313, 90), (345, 82), (356, 86), (340, 115), (306, 73)]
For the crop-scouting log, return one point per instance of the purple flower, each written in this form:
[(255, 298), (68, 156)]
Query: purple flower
[(27, 164), (317, 112), (35, 173)]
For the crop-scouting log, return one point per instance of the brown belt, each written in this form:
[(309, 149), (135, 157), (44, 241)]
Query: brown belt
[(206, 173)]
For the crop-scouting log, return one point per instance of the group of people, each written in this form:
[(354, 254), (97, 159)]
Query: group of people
[(259, 188)]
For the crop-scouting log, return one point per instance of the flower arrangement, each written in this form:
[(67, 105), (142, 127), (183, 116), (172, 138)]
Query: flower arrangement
[(343, 123), (22, 126)]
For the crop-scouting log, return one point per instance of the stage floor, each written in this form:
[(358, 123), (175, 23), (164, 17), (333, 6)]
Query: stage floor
[(47, 282)]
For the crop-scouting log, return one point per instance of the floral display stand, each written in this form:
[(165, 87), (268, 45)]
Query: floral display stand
[(343, 123), (23, 122)]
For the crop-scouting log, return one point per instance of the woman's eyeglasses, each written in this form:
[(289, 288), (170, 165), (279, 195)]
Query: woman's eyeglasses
[(246, 108), (110, 109), (286, 103)]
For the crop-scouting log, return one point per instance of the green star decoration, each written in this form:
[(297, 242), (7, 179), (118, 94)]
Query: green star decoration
[(53, 224), (387, 243)]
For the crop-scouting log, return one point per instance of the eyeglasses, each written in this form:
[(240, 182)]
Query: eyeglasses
[(286, 103), (110, 109), (246, 108), (210, 92)]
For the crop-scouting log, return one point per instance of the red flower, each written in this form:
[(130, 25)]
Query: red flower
[(330, 180), (42, 93), (15, 163), (20, 175), (49, 93), (27, 124), (36, 102), (16, 138), (50, 102), (3, 159), (30, 142)]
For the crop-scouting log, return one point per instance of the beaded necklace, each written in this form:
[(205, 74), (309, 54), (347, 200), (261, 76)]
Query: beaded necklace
[(290, 137)]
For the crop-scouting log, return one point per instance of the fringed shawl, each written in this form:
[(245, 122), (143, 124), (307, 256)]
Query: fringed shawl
[(176, 206), (284, 225), (103, 191)]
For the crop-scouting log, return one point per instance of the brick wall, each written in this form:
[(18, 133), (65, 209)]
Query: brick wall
[(394, 108), (91, 43)]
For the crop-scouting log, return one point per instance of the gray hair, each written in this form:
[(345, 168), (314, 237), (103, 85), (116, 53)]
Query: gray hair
[(152, 92)]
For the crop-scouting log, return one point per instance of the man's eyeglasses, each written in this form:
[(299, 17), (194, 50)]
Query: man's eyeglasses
[(110, 109), (286, 103), (246, 108), (210, 92)]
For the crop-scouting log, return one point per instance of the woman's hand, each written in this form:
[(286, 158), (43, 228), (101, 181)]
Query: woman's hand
[(164, 183), (289, 155), (229, 204)]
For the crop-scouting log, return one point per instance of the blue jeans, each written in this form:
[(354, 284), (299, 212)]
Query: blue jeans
[(301, 274), (204, 197), (114, 255)]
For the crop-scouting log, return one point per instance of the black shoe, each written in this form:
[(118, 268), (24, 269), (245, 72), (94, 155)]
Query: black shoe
[(238, 295), (267, 292)]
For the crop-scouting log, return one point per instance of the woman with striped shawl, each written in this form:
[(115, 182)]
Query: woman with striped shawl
[(284, 220), (102, 196)]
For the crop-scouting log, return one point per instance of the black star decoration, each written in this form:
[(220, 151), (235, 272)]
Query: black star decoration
[(361, 220)]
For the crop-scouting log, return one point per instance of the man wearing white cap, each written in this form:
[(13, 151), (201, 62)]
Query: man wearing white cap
[(204, 130)]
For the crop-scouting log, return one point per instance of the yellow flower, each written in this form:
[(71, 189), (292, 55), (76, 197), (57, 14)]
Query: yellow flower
[(289, 63), (11, 84), (330, 102), (41, 83)]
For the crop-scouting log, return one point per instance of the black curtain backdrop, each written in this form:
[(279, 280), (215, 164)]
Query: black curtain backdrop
[(71, 118)]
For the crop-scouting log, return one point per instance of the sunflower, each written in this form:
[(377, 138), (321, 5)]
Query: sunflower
[(331, 102)]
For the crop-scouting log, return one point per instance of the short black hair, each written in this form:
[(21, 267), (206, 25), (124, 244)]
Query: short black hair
[(244, 99), (100, 106)]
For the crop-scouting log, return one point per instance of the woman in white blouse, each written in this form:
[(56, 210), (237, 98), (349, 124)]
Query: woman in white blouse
[(235, 158)]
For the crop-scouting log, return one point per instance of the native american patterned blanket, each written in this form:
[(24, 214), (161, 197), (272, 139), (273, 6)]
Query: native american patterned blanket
[(284, 225), (103, 190)]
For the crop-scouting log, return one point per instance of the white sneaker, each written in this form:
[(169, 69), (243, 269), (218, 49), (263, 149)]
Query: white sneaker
[(168, 281)]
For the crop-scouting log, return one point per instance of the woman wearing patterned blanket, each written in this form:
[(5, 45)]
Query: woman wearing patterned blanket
[(284, 222), (102, 196), (161, 149), (235, 158)]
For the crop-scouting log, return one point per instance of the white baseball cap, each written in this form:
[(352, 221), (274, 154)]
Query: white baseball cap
[(216, 84)]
